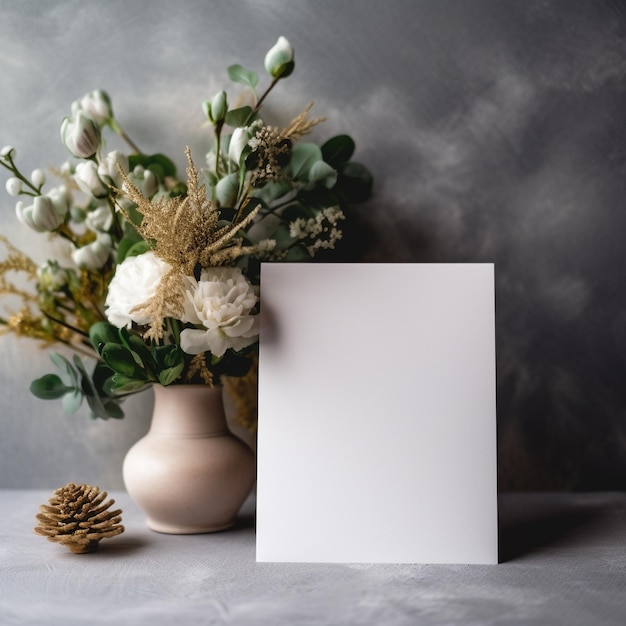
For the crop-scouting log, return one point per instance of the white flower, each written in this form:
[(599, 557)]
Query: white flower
[(279, 59), (97, 105), (80, 135), (238, 143), (95, 254), (145, 180), (7, 151), (42, 215), (88, 181), (135, 281), (107, 170), (221, 302), (99, 219)]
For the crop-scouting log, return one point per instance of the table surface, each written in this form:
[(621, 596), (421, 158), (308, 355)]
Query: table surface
[(563, 561)]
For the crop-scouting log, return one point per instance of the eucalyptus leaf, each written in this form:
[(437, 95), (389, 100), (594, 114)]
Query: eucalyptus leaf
[(238, 117), (65, 366), (323, 173), (49, 387), (303, 156), (338, 150), (239, 74)]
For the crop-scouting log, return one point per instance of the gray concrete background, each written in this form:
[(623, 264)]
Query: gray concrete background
[(495, 130)]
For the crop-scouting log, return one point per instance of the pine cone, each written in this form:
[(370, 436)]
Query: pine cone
[(77, 518)]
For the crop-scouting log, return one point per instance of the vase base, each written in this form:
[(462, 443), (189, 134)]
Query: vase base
[(174, 529)]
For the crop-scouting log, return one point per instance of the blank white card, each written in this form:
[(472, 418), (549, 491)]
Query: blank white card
[(377, 414)]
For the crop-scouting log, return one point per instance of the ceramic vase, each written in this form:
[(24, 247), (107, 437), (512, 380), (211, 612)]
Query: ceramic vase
[(189, 473)]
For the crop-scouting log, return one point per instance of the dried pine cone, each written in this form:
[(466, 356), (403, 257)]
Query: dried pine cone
[(77, 518)]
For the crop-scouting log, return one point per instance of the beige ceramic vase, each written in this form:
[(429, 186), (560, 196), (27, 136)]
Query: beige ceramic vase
[(189, 474)]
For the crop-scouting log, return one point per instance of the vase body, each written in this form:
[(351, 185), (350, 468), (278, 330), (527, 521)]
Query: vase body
[(189, 473)]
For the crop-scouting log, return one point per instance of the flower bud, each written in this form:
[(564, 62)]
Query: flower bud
[(61, 199), (238, 143), (95, 254), (88, 181), (97, 105), (38, 178), (227, 189), (7, 151), (13, 186), (218, 107), (99, 219), (80, 135), (41, 216), (108, 171), (144, 180), (279, 61)]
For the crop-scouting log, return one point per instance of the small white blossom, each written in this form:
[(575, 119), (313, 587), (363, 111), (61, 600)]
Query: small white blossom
[(7, 151), (108, 171), (95, 254), (99, 219), (97, 105), (220, 304), (42, 215), (136, 281), (144, 180), (87, 179)]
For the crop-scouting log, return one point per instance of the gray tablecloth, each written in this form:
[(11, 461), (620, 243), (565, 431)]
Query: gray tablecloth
[(563, 561)]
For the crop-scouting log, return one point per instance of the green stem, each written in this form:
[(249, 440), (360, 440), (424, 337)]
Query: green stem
[(262, 98), (122, 133)]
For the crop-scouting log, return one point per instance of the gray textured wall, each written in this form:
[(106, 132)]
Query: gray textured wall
[(496, 132)]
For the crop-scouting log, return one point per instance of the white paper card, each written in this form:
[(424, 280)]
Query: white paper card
[(377, 414)]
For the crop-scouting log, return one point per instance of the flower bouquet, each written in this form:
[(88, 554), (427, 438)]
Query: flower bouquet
[(157, 278)]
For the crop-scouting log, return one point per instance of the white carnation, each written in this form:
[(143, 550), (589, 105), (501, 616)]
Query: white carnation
[(135, 281), (221, 303)]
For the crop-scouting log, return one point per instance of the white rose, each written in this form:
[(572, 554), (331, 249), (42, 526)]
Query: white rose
[(136, 280), (220, 302)]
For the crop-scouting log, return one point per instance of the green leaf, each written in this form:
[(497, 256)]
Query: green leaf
[(338, 150), (123, 384), (323, 173), (66, 367), (171, 374), (161, 165), (126, 243), (49, 387), (238, 117), (136, 345), (122, 361), (239, 74), (355, 182), (303, 156), (102, 333)]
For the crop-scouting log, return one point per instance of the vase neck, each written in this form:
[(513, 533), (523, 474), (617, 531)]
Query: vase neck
[(188, 411)]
